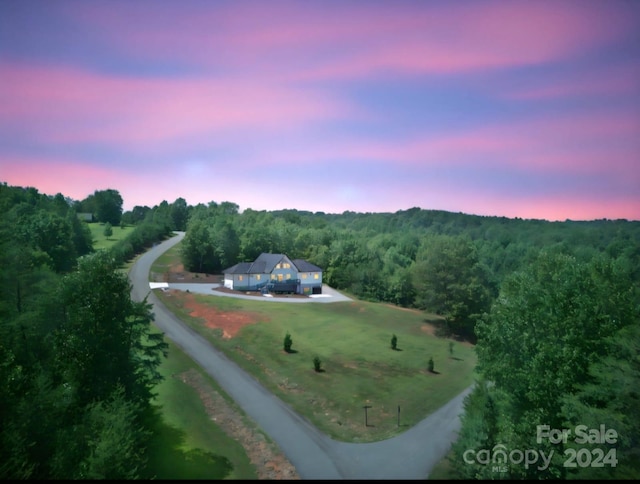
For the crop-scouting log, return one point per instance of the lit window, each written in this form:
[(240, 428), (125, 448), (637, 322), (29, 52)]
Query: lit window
[(258, 276), (273, 276), (304, 276), (288, 276), (278, 266), (239, 278), (316, 276)]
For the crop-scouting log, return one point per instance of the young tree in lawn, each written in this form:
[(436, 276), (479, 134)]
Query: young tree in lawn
[(394, 342), (430, 365), (288, 342), (108, 230)]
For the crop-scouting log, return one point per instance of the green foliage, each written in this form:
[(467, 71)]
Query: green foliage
[(543, 343), (288, 342), (179, 214), (450, 281), (108, 230), (317, 364), (394, 342), (108, 206), (430, 365)]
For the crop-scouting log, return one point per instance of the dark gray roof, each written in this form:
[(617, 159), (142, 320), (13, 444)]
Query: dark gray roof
[(265, 263), (304, 266), (239, 268)]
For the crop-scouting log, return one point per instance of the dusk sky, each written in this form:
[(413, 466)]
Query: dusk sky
[(519, 109)]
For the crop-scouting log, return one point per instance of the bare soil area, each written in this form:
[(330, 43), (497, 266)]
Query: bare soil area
[(229, 322)]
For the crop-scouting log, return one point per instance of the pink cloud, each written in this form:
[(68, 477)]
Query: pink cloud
[(71, 105), (598, 143), (615, 81), (560, 208), (72, 178), (312, 40)]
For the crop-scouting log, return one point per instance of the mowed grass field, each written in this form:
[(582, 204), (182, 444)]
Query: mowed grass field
[(353, 342), (100, 241)]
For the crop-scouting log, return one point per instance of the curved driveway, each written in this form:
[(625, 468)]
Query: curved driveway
[(410, 455)]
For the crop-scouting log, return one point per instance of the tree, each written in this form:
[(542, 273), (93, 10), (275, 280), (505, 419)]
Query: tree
[(317, 364), (394, 342), (288, 342), (179, 214), (538, 344), (108, 230), (103, 338), (451, 349), (108, 206), (450, 281), (430, 365)]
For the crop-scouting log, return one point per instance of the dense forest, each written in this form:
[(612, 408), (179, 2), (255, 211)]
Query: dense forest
[(78, 362), (552, 307)]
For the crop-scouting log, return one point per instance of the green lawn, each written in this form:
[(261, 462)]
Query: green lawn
[(353, 341), (102, 242), (186, 443)]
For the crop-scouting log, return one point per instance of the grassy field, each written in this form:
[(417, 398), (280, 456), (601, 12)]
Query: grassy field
[(100, 241), (187, 444), (352, 339)]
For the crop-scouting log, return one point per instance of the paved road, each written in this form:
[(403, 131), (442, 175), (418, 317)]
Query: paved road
[(410, 455)]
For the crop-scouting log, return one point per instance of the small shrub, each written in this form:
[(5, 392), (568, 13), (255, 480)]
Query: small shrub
[(287, 343), (451, 349), (430, 365), (108, 230), (394, 342), (317, 364)]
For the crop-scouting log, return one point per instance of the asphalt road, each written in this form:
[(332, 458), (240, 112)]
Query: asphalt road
[(410, 455)]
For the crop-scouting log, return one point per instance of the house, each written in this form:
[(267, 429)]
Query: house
[(274, 273)]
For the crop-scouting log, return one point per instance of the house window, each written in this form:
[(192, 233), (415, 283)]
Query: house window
[(288, 276), (258, 277), (278, 266), (304, 276), (286, 265), (239, 278), (279, 277), (273, 277), (316, 276)]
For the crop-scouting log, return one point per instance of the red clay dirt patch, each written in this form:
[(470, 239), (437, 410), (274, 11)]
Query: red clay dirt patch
[(229, 322)]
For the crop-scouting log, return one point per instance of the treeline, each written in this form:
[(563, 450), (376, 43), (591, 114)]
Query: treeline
[(78, 360), (554, 307), (448, 263)]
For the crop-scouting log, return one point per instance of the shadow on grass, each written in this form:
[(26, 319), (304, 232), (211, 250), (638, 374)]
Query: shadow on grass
[(291, 352), (456, 358), (433, 372), (166, 458), (396, 349)]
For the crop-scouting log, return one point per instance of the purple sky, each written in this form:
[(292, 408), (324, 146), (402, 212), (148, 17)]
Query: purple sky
[(517, 109)]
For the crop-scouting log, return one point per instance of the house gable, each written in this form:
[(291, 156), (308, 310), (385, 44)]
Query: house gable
[(274, 272)]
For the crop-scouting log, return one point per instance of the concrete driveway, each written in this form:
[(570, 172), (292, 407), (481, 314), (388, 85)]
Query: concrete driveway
[(328, 294), (410, 455)]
